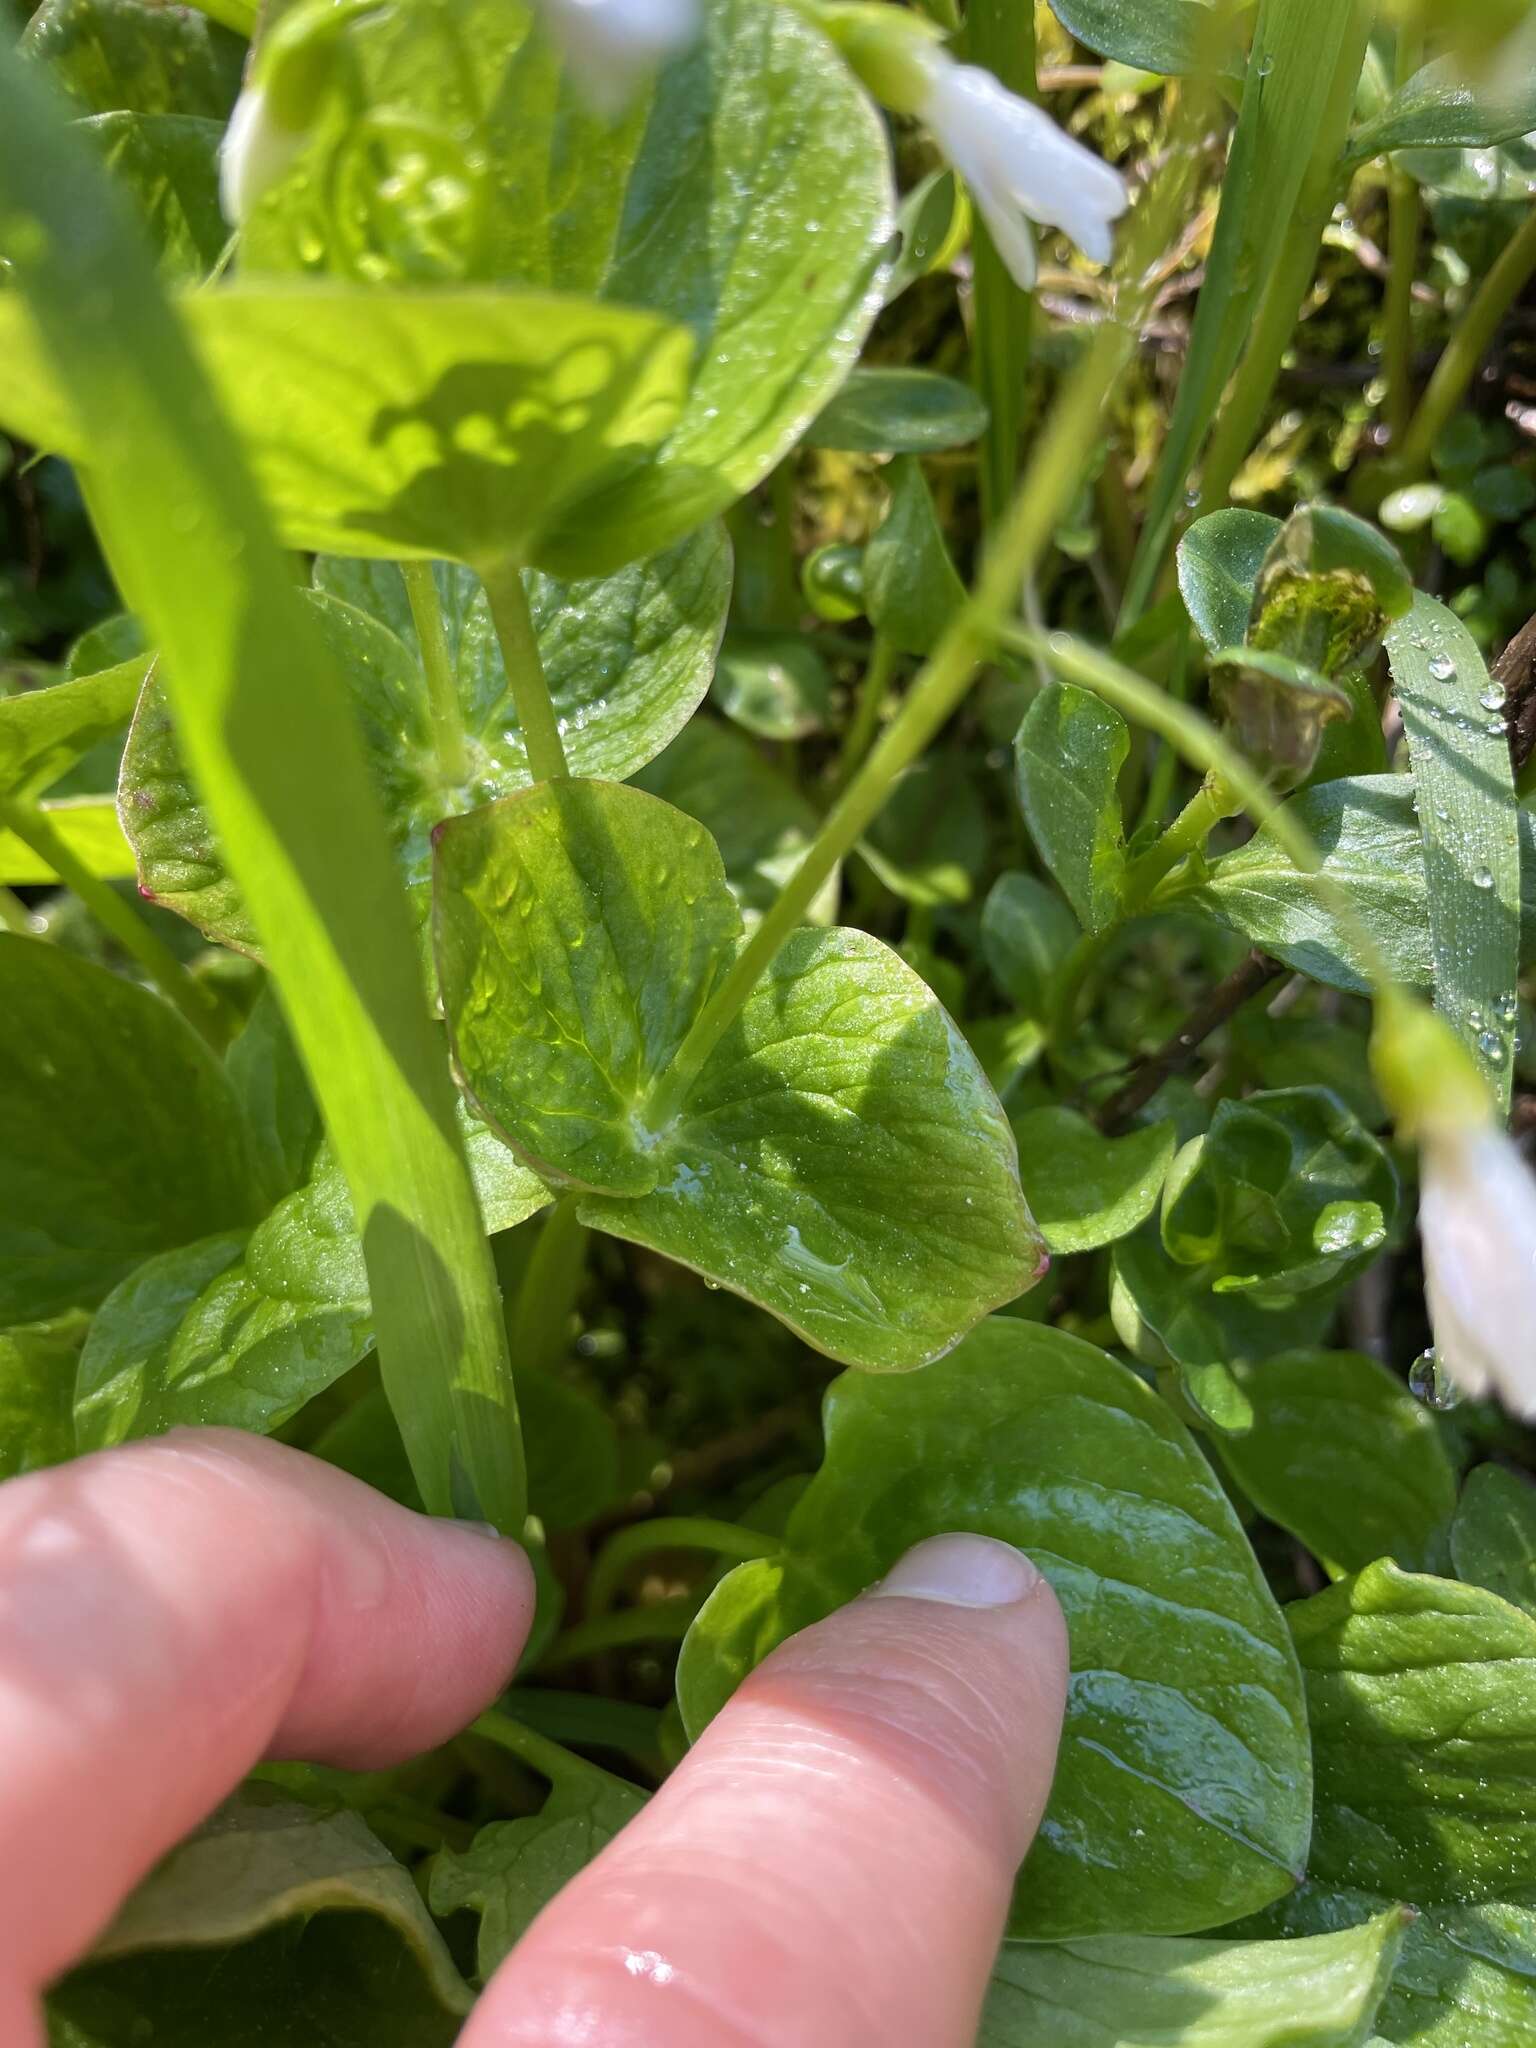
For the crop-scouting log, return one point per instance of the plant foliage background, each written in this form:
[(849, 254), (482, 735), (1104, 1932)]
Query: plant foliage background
[(684, 873)]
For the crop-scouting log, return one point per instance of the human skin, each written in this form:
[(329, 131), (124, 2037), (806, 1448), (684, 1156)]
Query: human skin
[(829, 1866)]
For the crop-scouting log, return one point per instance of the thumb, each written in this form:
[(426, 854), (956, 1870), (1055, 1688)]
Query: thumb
[(830, 1866)]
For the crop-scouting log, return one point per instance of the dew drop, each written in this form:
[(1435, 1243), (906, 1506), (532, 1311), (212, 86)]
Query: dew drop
[(1482, 878), (1490, 1045), (1441, 667), (1492, 699), (1429, 1382)]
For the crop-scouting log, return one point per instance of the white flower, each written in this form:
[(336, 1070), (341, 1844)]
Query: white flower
[(1477, 1224), (254, 154), (1019, 165), (611, 44)]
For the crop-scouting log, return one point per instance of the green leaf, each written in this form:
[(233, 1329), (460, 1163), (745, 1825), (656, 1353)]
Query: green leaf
[(169, 166), (513, 1868), (1368, 834), (929, 841), (762, 826), (1327, 591), (911, 587), (754, 1183), (1322, 1992), (1170, 1317), (43, 732), (119, 1135), (1174, 36), (1465, 1974), (88, 826), (1085, 1190), (1422, 1699), (899, 412), (1026, 933), (1219, 562), (627, 658), (371, 432), (1343, 1456), (37, 1381), (774, 684), (243, 1328), (1453, 715), (1441, 108), (560, 1044), (1068, 756), (275, 1926), (1286, 1192), (747, 194), (1493, 1536), (137, 56), (268, 1077), (1183, 1794)]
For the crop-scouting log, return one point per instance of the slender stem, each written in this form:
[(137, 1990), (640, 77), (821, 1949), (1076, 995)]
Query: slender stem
[(525, 671), (669, 1532), (1000, 34), (1186, 835), (1011, 557), (1468, 345), (874, 688), (547, 1294), (1405, 210), (14, 914), (662, 1621), (1245, 981), (1242, 415), (196, 1003), (443, 706), (1069, 981), (550, 1759)]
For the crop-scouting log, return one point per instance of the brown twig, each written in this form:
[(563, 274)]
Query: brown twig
[(1223, 1002)]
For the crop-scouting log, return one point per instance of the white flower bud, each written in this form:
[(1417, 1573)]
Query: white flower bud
[(254, 154), (1019, 165), (611, 44), (1477, 1224)]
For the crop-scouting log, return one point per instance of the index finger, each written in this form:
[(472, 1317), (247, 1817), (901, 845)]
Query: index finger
[(170, 1613)]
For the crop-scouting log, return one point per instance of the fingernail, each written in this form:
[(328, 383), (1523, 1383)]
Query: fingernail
[(477, 1528), (963, 1571)]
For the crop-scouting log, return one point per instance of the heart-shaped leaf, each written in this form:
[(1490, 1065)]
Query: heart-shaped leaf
[(580, 930), (1219, 562), (627, 658), (747, 195), (119, 1135), (374, 431), (1183, 1792)]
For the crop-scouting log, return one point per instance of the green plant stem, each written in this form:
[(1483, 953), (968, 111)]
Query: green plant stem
[(549, 1758), (14, 914), (443, 705), (196, 1003), (1188, 833), (274, 748), (1060, 454), (874, 688), (1468, 345), (662, 1621), (1405, 219), (669, 1532), (999, 34), (525, 670), (1285, 290), (546, 1296)]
